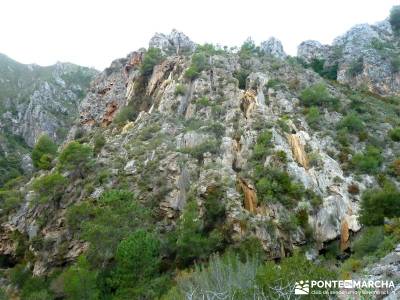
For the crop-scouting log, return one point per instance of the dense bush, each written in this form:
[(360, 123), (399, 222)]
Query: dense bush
[(199, 62), (80, 282), (125, 114), (180, 90), (368, 242), (138, 261), (329, 72), (395, 18), (192, 243), (317, 95), (75, 158), (369, 161), (241, 75), (275, 185), (104, 225), (44, 152), (50, 187), (152, 57), (99, 142), (376, 205), (313, 117), (352, 123), (395, 134)]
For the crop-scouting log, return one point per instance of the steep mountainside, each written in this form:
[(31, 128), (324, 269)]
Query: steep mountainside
[(182, 151), (36, 100)]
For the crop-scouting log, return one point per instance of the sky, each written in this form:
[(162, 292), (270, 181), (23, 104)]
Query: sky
[(95, 32)]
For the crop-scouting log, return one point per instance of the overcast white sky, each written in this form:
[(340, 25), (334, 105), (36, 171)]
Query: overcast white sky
[(94, 32)]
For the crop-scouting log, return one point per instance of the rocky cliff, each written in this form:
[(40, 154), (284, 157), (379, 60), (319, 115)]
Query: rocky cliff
[(36, 100), (367, 56), (275, 146)]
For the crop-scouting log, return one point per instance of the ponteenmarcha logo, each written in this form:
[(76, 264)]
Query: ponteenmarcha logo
[(302, 288)]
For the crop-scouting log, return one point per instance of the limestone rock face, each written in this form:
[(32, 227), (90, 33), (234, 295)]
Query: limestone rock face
[(36, 100), (309, 50), (273, 47), (41, 99), (366, 56), (175, 42), (189, 137)]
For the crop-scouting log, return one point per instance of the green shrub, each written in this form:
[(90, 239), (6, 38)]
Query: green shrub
[(313, 117), (75, 158), (274, 185), (199, 63), (263, 145), (10, 200), (326, 71), (376, 205), (152, 57), (198, 151), (241, 75), (192, 243), (248, 49), (137, 258), (44, 152), (80, 282), (50, 187), (368, 242), (369, 161), (99, 142), (273, 83), (125, 114), (180, 90), (317, 95), (395, 134), (226, 276), (276, 280), (115, 216), (214, 205), (352, 123), (394, 18)]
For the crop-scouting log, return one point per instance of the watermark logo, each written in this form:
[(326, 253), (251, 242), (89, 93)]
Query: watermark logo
[(302, 287), (345, 287)]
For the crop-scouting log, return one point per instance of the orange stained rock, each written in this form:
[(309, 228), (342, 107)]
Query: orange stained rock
[(298, 150), (250, 196), (344, 235), (249, 100)]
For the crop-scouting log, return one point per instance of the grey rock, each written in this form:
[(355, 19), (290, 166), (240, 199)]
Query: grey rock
[(273, 47), (175, 42)]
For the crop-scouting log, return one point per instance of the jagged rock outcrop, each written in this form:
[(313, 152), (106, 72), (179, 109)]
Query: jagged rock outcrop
[(175, 42), (310, 50), (366, 56), (273, 47)]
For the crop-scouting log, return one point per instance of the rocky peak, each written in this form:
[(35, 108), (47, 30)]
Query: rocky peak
[(273, 47), (366, 56), (175, 42), (310, 50)]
